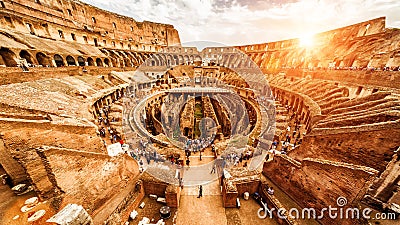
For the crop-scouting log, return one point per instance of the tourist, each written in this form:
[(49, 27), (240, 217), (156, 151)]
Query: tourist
[(270, 190), (140, 163), (200, 192), (213, 168), (288, 138), (188, 162), (181, 182), (111, 139)]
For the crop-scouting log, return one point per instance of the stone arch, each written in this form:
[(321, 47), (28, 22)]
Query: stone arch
[(70, 61), (115, 59), (143, 57), (140, 58), (181, 60), (133, 59), (90, 61), (105, 52), (99, 62), (346, 92), (81, 61), (43, 59), (8, 57), (163, 60), (127, 62), (197, 58), (107, 62), (146, 56), (58, 59), (27, 56), (186, 59), (170, 60), (158, 59)]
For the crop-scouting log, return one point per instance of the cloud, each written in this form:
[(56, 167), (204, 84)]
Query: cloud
[(242, 22)]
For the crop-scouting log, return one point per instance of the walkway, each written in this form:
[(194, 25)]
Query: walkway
[(201, 211), (209, 209)]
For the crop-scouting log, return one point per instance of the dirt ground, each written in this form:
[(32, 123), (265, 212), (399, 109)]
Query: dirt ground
[(152, 211), (10, 208)]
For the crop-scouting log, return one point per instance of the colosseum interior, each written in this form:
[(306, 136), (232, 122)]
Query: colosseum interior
[(106, 120)]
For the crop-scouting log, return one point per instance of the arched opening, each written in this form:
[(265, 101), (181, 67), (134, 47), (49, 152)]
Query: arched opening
[(8, 57), (127, 62), (25, 55), (114, 62), (90, 61), (59, 60), (107, 62), (70, 61), (43, 59), (81, 61), (99, 62)]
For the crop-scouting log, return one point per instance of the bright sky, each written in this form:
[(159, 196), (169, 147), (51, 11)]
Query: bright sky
[(241, 22)]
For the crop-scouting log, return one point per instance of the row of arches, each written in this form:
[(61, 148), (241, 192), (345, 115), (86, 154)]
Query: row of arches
[(80, 61), (107, 100), (296, 102), (230, 60), (10, 58), (352, 54)]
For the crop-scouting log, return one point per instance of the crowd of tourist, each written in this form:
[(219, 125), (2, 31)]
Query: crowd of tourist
[(198, 144), (236, 159), (106, 130)]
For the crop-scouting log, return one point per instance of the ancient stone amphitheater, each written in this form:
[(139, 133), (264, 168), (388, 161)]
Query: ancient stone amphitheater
[(79, 84)]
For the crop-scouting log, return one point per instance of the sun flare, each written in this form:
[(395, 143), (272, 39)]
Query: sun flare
[(306, 40)]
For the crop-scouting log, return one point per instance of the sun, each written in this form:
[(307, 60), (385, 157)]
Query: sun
[(306, 40)]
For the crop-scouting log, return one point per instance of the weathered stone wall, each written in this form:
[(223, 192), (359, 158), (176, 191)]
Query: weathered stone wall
[(371, 148), (21, 136), (365, 44), (72, 33), (153, 186), (250, 187), (318, 183), (33, 134), (81, 19), (11, 166), (9, 75), (129, 203), (228, 196), (173, 195), (39, 173), (359, 77), (89, 178), (274, 204)]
